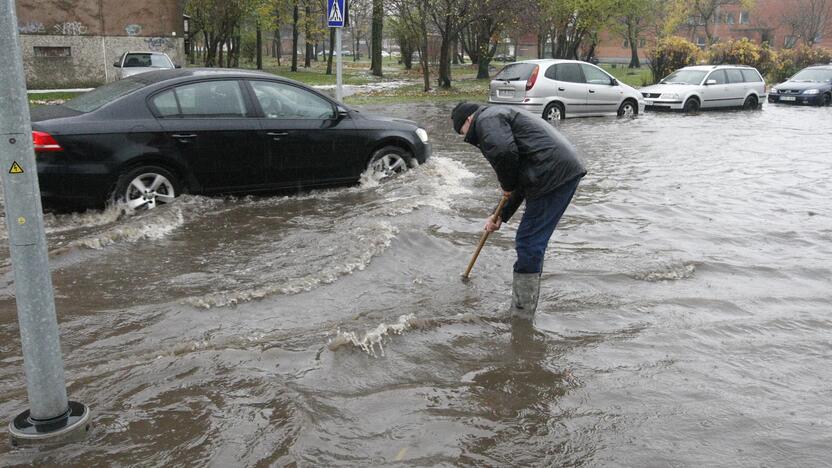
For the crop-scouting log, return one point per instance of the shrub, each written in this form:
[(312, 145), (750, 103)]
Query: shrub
[(743, 52), (670, 54), (792, 61)]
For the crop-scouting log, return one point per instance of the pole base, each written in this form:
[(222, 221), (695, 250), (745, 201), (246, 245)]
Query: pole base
[(74, 423)]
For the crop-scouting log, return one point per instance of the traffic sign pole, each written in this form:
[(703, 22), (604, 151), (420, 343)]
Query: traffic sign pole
[(336, 13), (50, 414), (339, 77)]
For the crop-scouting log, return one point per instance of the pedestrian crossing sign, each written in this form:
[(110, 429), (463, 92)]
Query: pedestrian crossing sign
[(336, 13)]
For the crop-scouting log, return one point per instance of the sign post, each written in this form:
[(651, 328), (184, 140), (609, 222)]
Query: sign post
[(50, 414), (336, 14)]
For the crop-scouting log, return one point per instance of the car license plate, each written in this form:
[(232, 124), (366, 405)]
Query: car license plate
[(787, 98), (505, 92), (648, 102)]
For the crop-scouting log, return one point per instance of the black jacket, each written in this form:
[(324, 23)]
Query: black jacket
[(530, 157)]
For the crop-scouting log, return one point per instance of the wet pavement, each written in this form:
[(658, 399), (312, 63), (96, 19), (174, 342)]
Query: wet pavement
[(684, 316)]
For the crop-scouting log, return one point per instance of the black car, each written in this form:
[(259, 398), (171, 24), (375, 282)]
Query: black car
[(810, 86), (150, 137)]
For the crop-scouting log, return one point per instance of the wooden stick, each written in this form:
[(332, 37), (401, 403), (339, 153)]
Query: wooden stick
[(484, 237)]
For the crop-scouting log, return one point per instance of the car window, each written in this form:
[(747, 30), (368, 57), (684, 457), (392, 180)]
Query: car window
[(284, 101), (211, 99), (719, 76), (821, 75), (516, 72), (96, 98), (734, 75), (751, 76), (166, 104), (550, 72), (690, 77), (569, 72), (595, 76), (147, 60)]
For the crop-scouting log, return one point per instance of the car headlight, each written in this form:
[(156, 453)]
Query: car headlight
[(423, 135), (775, 91), (670, 95), (811, 91)]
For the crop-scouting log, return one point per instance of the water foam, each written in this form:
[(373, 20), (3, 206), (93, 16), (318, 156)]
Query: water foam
[(374, 240), (373, 338), (673, 272)]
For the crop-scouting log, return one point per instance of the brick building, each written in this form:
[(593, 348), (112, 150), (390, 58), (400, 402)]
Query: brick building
[(68, 43)]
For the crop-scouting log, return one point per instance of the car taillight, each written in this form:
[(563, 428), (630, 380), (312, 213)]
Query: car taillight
[(44, 142), (532, 78)]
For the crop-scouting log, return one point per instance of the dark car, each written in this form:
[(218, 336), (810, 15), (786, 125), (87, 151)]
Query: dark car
[(810, 86), (148, 138)]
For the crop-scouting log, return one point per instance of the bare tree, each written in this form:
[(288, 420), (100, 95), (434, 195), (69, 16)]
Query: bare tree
[(810, 20)]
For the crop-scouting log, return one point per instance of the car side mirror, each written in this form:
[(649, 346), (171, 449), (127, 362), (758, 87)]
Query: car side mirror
[(614, 82), (117, 64), (177, 66), (342, 112), (710, 82)]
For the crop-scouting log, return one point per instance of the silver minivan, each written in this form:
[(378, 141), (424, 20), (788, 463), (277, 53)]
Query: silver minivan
[(707, 87), (556, 89)]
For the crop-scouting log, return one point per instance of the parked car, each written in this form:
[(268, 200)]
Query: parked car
[(707, 87), (810, 86), (556, 89), (505, 58), (133, 63), (148, 138)]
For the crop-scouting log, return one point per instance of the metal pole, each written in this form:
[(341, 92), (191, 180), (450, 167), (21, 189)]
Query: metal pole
[(50, 413), (339, 78)]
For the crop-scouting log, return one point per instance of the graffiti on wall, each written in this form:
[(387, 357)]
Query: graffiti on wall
[(133, 29), (32, 27), (69, 28), (160, 44)]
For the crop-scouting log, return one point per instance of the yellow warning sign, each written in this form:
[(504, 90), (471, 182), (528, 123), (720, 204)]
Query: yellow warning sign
[(16, 169)]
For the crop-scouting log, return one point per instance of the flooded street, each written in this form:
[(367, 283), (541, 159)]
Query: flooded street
[(684, 317)]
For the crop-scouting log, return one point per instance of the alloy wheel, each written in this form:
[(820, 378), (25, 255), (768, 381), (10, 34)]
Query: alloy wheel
[(148, 190), (389, 164), (553, 114)]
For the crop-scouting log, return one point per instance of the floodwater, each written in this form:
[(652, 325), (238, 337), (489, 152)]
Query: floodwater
[(684, 317)]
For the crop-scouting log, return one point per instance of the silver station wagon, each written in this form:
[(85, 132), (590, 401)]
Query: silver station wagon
[(556, 89), (707, 87)]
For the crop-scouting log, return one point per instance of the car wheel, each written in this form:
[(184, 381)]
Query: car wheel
[(146, 187), (691, 106), (750, 103), (627, 109), (827, 99), (389, 161), (554, 112)]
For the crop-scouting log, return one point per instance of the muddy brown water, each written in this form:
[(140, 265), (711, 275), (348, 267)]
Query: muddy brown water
[(684, 316)]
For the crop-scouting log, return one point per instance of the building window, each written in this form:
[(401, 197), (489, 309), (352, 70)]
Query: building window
[(625, 44), (789, 42), (729, 18), (700, 41), (642, 42), (53, 51), (744, 17)]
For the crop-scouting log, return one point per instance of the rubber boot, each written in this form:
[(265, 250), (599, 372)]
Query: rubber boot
[(525, 292)]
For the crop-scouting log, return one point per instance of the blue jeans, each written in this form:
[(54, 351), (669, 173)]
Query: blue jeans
[(537, 225)]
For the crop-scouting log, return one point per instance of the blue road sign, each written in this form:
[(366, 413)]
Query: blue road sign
[(336, 13)]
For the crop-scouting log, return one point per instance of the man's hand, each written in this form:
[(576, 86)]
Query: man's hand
[(491, 225), (506, 194)]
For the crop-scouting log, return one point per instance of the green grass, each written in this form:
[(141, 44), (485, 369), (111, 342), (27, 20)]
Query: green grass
[(461, 90), (40, 99), (635, 77)]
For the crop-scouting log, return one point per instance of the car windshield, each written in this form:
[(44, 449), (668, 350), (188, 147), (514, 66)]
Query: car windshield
[(693, 77), (516, 72), (813, 74), (96, 98), (147, 61)]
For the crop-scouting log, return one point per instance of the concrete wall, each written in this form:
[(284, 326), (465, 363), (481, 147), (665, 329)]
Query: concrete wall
[(91, 60)]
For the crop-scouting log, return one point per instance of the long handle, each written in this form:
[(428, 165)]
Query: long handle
[(484, 237)]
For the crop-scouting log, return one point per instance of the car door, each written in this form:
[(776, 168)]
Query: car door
[(209, 123), (737, 87), (602, 95), (716, 94), (571, 87), (307, 141)]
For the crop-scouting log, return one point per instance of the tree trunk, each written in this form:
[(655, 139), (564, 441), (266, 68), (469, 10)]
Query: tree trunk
[(279, 46), (423, 54), (485, 60), (259, 43), (633, 38), (378, 26), (331, 50), (454, 52), (307, 40), (295, 34)]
